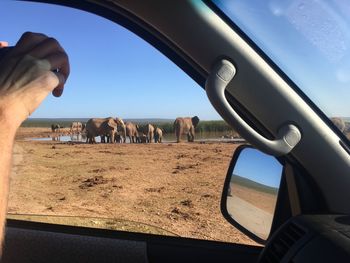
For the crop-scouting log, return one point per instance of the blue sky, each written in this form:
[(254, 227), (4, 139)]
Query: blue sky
[(308, 40), (113, 71)]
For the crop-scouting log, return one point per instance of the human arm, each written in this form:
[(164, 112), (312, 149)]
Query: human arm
[(36, 66)]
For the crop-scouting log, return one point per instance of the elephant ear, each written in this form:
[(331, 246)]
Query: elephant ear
[(195, 121), (111, 123)]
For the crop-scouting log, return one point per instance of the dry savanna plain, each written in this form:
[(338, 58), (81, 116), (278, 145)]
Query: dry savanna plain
[(167, 188)]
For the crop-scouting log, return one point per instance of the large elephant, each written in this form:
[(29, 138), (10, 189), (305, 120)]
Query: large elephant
[(186, 126), (101, 127), (147, 130), (339, 122), (158, 135), (132, 132)]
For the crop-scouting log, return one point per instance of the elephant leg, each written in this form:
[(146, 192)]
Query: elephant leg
[(177, 137), (111, 137), (179, 133), (192, 134)]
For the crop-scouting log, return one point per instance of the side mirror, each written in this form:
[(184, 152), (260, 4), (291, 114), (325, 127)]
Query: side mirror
[(250, 192)]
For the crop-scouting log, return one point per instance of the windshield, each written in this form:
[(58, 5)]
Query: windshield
[(308, 40)]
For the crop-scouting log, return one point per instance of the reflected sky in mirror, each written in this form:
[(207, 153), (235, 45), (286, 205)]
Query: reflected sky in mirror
[(252, 163)]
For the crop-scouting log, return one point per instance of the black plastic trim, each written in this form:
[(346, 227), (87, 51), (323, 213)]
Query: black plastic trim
[(106, 233)]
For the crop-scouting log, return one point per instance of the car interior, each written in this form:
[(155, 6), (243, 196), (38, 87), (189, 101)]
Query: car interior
[(311, 221)]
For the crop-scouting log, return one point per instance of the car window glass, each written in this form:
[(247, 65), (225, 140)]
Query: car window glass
[(309, 41), (164, 188)]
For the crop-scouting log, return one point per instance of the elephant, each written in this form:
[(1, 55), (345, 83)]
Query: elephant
[(55, 127), (132, 132), (101, 127), (76, 127), (118, 138), (158, 135), (143, 138), (147, 130), (339, 122), (186, 126), (121, 128)]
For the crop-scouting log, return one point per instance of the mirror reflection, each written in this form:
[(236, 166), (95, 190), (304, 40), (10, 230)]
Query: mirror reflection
[(252, 191)]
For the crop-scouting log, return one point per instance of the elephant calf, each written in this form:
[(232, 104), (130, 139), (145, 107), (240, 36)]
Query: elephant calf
[(186, 126), (143, 138), (158, 135)]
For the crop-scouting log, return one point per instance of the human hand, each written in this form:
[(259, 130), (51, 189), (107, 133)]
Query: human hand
[(3, 44), (29, 71)]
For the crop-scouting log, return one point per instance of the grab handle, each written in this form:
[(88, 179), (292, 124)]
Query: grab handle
[(288, 135)]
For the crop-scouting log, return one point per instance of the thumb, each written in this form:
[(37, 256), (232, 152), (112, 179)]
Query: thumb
[(3, 44)]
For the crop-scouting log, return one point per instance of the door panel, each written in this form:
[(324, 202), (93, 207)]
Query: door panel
[(38, 242)]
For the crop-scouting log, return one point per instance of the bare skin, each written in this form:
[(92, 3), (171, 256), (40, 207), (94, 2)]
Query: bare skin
[(36, 66)]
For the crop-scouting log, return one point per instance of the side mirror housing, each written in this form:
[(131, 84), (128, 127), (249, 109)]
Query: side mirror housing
[(250, 192)]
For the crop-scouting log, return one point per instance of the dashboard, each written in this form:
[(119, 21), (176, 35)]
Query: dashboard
[(310, 238)]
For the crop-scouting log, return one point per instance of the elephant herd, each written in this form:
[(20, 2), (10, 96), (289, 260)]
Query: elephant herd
[(114, 130)]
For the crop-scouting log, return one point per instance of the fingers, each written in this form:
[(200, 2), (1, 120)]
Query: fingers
[(60, 66), (40, 46), (57, 92), (46, 47), (3, 44), (27, 42)]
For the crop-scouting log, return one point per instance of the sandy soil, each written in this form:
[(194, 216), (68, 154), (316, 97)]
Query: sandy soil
[(262, 200), (176, 187)]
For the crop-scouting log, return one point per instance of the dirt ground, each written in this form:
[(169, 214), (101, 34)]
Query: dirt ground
[(262, 200), (175, 187)]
